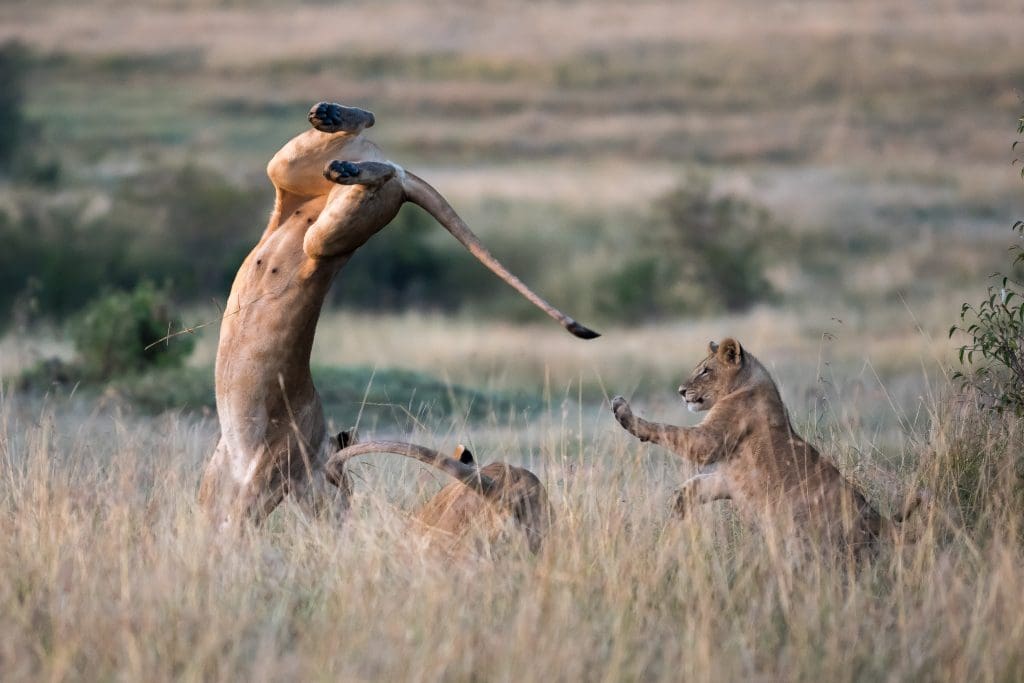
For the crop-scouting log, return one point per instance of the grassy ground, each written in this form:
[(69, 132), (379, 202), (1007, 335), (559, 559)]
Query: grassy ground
[(110, 573)]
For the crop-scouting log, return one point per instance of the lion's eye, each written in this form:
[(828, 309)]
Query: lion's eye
[(704, 372)]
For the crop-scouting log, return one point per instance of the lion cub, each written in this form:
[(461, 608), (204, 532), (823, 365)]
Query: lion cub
[(483, 498), (748, 452)]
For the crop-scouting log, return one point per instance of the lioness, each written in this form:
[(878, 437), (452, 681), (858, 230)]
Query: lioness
[(335, 190), (484, 498), (748, 452)]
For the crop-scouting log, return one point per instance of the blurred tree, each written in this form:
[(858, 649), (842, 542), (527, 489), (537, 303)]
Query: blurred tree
[(412, 263), (191, 226), (13, 63), (701, 252)]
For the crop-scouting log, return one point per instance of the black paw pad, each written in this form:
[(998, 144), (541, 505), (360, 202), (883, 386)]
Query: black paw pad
[(343, 169), (325, 115)]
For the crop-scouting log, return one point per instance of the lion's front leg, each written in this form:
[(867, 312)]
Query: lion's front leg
[(365, 198), (703, 488), (697, 444), (661, 434), (297, 169)]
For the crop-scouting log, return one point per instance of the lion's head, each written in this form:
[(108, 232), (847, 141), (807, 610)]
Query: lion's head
[(715, 376)]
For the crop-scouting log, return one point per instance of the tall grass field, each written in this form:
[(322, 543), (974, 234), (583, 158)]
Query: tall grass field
[(110, 571)]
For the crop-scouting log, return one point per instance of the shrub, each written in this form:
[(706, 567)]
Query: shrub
[(993, 358), (54, 264), (700, 252), (401, 267), (189, 226), (633, 290), (201, 225), (13, 64), (117, 334)]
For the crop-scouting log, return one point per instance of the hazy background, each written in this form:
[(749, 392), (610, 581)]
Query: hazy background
[(826, 181)]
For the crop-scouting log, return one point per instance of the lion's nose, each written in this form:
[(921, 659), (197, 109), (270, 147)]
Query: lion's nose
[(682, 390)]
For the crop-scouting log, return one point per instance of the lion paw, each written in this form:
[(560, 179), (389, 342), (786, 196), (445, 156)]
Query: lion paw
[(340, 171), (362, 173), (329, 117)]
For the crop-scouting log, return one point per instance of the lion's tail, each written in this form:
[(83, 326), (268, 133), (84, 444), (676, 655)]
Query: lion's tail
[(463, 468)]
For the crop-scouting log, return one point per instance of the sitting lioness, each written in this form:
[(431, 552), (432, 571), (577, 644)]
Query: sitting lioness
[(334, 190), (748, 452), (484, 498)]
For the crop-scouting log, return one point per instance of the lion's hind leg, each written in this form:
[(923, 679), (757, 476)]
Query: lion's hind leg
[(323, 491), (228, 500)]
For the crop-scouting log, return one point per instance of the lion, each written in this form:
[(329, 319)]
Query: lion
[(334, 190), (484, 498), (749, 453)]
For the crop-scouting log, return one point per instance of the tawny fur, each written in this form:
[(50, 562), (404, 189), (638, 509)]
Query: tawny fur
[(748, 452), (335, 189), (484, 500)]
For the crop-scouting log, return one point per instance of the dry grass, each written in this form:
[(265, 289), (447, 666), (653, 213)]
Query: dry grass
[(109, 572)]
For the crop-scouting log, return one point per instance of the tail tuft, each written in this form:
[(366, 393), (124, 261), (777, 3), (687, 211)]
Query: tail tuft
[(581, 331), (463, 455)]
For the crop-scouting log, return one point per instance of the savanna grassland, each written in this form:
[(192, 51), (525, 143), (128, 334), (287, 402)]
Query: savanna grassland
[(854, 160)]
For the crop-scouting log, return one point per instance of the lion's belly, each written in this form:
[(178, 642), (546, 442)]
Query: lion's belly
[(266, 402)]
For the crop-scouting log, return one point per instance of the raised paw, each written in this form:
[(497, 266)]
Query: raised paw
[(329, 117), (358, 173), (339, 171)]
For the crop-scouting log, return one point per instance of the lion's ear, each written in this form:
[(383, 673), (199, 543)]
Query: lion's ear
[(730, 351), (712, 347), (463, 455), (347, 438)]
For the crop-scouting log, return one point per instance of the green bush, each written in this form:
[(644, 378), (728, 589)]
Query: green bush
[(700, 252), (13, 64), (201, 226), (633, 290), (120, 333), (190, 227), (402, 267), (54, 264), (993, 358)]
